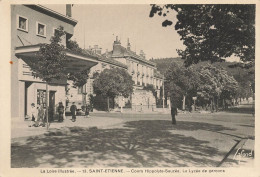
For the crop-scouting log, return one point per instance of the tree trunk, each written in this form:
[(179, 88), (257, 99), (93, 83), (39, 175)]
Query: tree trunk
[(183, 103), (47, 105), (211, 107), (108, 104), (217, 104)]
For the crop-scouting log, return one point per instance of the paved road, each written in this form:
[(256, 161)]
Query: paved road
[(136, 140)]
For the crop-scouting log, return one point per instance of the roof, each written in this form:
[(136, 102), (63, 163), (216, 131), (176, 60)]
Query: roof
[(52, 13), (100, 58), (128, 53)]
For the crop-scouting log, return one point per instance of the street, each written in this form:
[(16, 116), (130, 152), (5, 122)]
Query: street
[(136, 140)]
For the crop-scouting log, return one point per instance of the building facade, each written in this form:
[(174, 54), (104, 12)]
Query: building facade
[(31, 26), (143, 72)]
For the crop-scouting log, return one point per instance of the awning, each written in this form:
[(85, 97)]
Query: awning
[(75, 62)]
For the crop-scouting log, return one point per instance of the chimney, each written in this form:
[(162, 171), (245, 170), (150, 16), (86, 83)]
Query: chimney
[(128, 44), (106, 52), (68, 10), (116, 47), (142, 54)]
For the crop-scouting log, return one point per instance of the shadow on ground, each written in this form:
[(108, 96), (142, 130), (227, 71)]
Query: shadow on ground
[(144, 143)]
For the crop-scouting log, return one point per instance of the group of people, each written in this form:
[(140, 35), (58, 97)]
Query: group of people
[(73, 110), (38, 115)]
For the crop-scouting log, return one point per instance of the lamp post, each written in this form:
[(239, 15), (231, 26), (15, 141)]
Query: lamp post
[(163, 92)]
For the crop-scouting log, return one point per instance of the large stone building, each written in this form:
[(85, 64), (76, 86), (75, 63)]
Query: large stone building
[(143, 72)]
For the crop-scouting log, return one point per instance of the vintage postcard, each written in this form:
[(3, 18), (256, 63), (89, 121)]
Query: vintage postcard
[(111, 88)]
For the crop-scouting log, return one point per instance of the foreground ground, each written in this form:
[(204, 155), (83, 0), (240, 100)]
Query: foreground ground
[(136, 140)]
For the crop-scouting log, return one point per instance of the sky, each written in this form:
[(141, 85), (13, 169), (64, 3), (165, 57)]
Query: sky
[(100, 24)]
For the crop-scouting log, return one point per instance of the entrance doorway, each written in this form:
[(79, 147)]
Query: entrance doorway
[(41, 100), (27, 85)]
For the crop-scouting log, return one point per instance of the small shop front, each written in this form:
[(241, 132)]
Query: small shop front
[(33, 90)]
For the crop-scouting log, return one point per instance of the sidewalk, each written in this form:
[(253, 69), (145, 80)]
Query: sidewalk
[(21, 129), (241, 155)]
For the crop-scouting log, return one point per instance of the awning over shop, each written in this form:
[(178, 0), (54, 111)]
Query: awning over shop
[(75, 62)]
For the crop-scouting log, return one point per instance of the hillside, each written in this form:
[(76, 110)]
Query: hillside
[(163, 63)]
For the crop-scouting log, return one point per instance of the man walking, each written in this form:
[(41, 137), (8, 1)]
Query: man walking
[(174, 113), (60, 111), (73, 110)]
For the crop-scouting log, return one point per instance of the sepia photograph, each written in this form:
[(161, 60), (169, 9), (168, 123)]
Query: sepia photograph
[(132, 88)]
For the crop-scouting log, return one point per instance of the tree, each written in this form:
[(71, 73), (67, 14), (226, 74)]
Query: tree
[(212, 32), (79, 78), (214, 83), (113, 82), (49, 63), (181, 82)]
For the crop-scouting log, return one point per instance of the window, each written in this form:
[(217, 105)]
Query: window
[(80, 90), (22, 23), (40, 29)]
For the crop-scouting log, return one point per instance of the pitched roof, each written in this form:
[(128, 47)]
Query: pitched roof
[(123, 52), (52, 13), (105, 59)]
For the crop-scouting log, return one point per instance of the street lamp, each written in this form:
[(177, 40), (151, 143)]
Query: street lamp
[(163, 93)]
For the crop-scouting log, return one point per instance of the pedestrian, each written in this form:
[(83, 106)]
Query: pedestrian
[(41, 116), (174, 113), (87, 111), (60, 111), (73, 110), (33, 115)]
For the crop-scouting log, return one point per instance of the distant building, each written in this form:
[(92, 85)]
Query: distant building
[(141, 69), (96, 50)]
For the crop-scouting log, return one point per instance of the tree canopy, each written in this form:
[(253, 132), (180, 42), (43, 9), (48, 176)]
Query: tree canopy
[(51, 59), (211, 32), (206, 82), (79, 78), (113, 82), (180, 82)]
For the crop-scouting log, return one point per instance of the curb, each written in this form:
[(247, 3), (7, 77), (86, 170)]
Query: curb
[(239, 153)]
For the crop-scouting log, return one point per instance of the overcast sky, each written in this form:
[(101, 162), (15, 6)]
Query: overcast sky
[(102, 23)]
